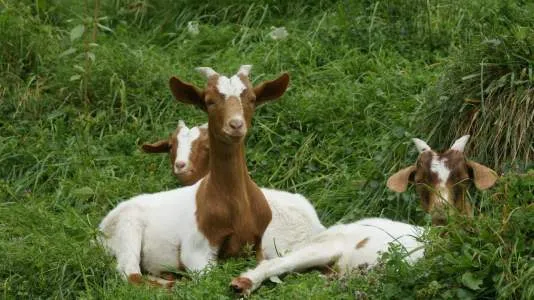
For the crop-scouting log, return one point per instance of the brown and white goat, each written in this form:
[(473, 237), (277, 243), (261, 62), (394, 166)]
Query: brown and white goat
[(441, 179), (344, 247), (189, 227), (294, 220), (188, 150), (231, 209)]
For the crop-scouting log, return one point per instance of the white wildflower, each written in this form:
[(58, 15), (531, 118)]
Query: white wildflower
[(192, 27), (278, 33)]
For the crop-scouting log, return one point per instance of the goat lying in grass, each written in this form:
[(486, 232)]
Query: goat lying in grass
[(351, 246), (371, 235), (345, 247), (441, 179), (190, 227), (294, 220)]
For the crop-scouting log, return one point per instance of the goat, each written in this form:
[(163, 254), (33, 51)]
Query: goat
[(188, 150), (231, 209), (440, 179), (348, 247), (294, 220), (190, 227)]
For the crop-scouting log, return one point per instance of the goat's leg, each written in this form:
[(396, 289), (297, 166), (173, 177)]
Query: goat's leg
[(311, 255), (259, 250), (125, 244), (196, 253)]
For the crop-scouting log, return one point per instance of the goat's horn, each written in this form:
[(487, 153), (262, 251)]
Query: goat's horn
[(459, 144), (206, 71), (244, 70), (421, 145)]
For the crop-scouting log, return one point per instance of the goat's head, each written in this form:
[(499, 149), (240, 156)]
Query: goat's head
[(188, 151), (441, 177), (229, 102)]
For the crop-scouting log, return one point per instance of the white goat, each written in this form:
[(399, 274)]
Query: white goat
[(347, 246)]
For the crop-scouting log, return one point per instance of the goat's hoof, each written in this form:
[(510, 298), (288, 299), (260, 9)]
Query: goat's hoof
[(241, 285), (135, 278)]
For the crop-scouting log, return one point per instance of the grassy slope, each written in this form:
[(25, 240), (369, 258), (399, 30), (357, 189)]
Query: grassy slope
[(70, 129)]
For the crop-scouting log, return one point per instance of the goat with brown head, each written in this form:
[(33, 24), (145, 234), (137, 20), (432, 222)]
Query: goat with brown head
[(188, 151), (441, 179), (231, 209)]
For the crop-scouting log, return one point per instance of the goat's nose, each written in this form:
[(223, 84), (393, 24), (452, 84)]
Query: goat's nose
[(236, 123), (180, 164)]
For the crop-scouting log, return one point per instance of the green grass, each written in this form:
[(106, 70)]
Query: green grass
[(75, 106)]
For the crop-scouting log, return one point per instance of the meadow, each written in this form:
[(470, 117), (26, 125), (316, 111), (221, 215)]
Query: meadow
[(84, 83)]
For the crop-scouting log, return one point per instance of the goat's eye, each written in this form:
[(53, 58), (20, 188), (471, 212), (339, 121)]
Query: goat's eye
[(210, 102)]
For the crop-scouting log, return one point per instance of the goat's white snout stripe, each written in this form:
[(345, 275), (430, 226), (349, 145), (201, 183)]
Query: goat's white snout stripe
[(185, 138), (442, 171)]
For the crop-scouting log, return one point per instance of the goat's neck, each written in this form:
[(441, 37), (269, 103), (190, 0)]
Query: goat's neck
[(228, 169)]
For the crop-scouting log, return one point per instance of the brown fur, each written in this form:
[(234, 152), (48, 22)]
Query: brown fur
[(167, 285), (426, 181), (362, 243), (135, 278), (240, 284), (231, 209)]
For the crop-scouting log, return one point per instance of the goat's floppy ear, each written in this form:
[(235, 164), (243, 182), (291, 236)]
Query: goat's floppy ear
[(157, 147), (271, 90), (187, 93), (398, 182), (482, 176)]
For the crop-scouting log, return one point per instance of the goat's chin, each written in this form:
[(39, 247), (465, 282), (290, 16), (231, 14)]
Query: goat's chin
[(186, 178), (234, 136)]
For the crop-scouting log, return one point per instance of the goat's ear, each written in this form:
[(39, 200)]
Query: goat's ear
[(157, 147), (187, 93), (398, 182), (271, 90), (482, 176)]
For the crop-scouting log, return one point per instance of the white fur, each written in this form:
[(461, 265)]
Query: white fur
[(186, 137), (421, 145), (459, 144), (438, 166), (158, 231), (294, 222), (338, 245), (231, 87)]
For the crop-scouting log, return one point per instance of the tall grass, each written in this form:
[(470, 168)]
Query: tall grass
[(82, 84), (487, 92)]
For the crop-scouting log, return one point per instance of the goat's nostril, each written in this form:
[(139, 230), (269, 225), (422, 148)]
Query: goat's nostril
[(236, 123), (180, 164)]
